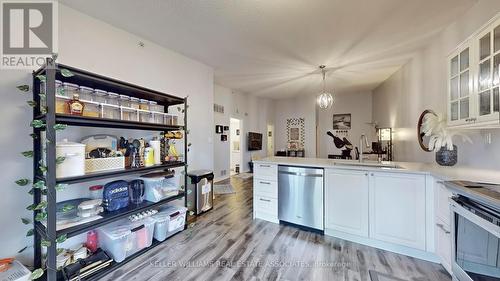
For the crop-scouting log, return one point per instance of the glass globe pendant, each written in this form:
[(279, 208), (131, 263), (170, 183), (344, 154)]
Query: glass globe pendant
[(325, 99)]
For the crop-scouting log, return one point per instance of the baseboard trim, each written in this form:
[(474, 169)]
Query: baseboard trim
[(403, 250)]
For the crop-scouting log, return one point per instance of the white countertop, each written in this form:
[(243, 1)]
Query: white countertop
[(445, 173)]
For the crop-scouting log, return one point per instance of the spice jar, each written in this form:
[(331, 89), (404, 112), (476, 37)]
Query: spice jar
[(70, 89), (112, 98), (92, 109), (124, 101), (100, 96), (144, 104), (134, 103), (86, 93)]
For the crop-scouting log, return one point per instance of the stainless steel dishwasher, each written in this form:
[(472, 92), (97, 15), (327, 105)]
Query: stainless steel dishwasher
[(300, 196)]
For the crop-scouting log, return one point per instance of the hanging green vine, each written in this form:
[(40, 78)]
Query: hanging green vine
[(40, 208)]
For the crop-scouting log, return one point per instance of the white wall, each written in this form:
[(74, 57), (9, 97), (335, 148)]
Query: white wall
[(87, 43), (254, 112), (359, 105), (298, 107), (421, 84), (222, 96)]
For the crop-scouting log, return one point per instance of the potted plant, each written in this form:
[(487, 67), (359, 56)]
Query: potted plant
[(441, 138)]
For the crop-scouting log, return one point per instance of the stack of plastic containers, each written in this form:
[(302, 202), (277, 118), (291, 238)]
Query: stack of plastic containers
[(169, 221), (124, 238)]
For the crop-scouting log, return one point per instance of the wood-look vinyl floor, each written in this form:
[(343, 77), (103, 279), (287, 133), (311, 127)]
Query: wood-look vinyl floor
[(227, 244)]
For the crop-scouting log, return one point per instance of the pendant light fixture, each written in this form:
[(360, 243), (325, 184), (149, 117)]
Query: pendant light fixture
[(325, 99)]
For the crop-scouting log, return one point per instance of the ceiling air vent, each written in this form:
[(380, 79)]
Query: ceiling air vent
[(218, 108)]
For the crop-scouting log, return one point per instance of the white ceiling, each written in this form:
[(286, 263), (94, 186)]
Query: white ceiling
[(272, 48)]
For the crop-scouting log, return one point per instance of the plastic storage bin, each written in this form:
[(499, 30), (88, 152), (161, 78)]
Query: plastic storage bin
[(158, 187), (70, 89), (134, 103), (113, 98), (61, 106), (124, 101), (169, 221), (124, 238)]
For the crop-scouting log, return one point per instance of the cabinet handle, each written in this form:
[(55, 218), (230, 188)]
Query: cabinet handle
[(263, 182), (265, 166), (442, 227), (372, 174), (265, 200), (366, 174)]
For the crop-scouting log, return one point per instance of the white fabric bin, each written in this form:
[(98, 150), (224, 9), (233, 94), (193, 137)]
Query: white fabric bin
[(124, 238), (169, 221)]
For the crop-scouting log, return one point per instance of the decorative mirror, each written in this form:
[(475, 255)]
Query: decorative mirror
[(422, 139)]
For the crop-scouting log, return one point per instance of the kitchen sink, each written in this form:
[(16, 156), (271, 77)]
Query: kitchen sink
[(366, 163)]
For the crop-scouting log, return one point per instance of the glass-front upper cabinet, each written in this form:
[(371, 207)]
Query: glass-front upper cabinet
[(487, 45), (460, 86)]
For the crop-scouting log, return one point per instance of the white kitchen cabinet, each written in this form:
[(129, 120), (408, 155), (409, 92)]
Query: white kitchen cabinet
[(461, 102), (474, 79), (346, 201), (442, 203), (443, 243), (265, 192), (397, 208)]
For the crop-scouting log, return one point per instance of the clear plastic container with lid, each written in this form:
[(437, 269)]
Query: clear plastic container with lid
[(100, 96), (159, 118), (112, 98), (124, 101), (129, 114), (61, 104), (134, 103), (92, 109), (146, 116), (86, 93), (111, 111), (153, 106), (144, 104), (70, 89)]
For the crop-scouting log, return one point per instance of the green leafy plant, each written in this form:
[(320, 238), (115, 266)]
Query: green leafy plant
[(23, 88), (27, 154), (66, 73)]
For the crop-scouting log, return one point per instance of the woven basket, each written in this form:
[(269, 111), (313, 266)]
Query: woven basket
[(104, 164)]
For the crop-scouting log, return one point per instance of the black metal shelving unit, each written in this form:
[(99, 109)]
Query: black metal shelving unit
[(48, 231)]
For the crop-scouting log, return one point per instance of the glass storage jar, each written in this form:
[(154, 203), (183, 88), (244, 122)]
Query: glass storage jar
[(100, 96), (129, 114), (92, 109), (112, 98), (111, 111), (86, 93), (167, 119), (70, 89), (134, 103), (144, 104), (175, 120), (124, 101), (146, 116)]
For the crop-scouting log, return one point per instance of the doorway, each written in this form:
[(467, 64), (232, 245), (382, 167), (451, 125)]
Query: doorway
[(235, 146), (270, 140)]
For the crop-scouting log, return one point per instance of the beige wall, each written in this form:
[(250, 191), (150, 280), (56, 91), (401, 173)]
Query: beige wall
[(421, 84)]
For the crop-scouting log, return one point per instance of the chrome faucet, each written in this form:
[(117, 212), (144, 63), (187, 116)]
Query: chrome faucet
[(361, 145)]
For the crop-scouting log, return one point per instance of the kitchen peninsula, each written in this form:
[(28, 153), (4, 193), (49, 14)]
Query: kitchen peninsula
[(397, 206)]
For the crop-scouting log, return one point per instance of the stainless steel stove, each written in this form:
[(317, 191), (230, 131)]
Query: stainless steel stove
[(475, 228)]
